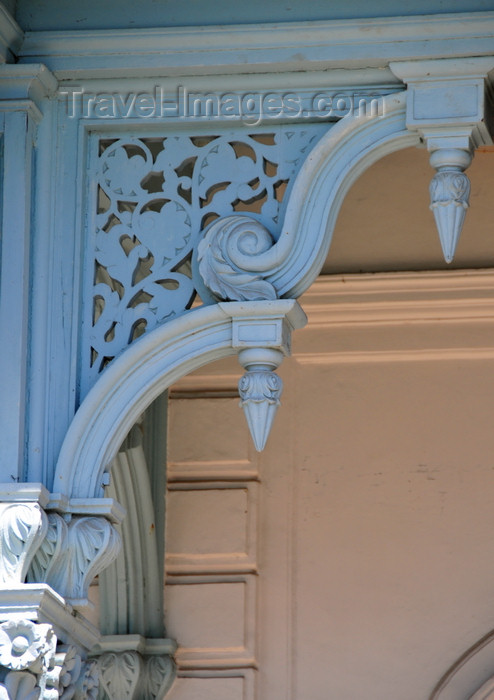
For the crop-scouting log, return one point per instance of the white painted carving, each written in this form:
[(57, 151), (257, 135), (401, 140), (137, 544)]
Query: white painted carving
[(71, 666), (19, 685), (144, 371), (26, 645), (227, 253), (92, 543), (88, 684), (159, 674), (128, 675), (155, 197), (260, 390), (447, 103), (450, 193), (119, 674), (138, 608), (22, 529), (51, 550), (73, 554), (260, 397)]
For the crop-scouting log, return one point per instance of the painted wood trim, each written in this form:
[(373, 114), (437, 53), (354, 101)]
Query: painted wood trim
[(252, 48), (140, 374), (455, 295), (11, 36)]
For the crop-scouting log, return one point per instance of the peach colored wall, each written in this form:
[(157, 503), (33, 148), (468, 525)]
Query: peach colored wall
[(354, 558), (385, 223)]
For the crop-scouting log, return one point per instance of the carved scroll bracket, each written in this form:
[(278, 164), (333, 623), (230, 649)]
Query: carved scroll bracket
[(261, 333), (450, 104)]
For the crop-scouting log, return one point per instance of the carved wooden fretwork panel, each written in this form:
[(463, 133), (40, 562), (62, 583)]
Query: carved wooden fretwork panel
[(152, 197)]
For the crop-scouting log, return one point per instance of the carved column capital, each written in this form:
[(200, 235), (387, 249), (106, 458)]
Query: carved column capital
[(73, 553), (65, 551), (133, 668)]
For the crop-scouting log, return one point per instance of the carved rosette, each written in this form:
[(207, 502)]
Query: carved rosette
[(228, 257), (34, 668), (26, 645), (450, 194)]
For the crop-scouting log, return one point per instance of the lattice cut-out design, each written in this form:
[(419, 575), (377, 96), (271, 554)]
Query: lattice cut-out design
[(155, 196)]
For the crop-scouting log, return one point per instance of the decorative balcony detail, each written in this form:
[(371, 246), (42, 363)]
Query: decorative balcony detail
[(450, 104), (153, 199)]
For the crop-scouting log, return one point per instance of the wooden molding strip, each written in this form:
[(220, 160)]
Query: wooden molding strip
[(288, 46)]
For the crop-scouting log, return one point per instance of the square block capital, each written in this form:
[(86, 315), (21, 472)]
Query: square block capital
[(449, 94)]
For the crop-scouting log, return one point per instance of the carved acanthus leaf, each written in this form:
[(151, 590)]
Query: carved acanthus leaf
[(158, 677), (449, 187), (70, 663), (87, 687), (51, 550), (450, 192), (119, 674), (87, 545), (260, 387), (260, 397), (227, 256), (93, 545), (22, 529), (19, 685)]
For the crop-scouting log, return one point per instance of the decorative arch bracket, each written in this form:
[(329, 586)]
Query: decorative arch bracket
[(450, 105)]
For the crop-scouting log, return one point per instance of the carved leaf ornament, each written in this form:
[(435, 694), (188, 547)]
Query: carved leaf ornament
[(19, 686), (22, 528), (119, 674)]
